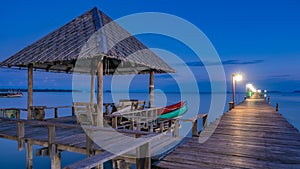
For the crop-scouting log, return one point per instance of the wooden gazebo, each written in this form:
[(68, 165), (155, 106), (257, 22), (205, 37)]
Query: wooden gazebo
[(61, 50)]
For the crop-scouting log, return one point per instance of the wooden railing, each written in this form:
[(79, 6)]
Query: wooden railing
[(150, 121), (52, 149), (16, 111)]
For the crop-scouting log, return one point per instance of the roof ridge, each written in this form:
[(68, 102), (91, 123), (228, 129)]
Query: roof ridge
[(98, 21), (58, 50)]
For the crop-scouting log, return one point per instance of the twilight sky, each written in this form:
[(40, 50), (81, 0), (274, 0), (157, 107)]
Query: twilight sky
[(260, 39)]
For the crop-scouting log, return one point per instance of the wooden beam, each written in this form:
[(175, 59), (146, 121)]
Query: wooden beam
[(30, 91), (151, 89), (99, 120)]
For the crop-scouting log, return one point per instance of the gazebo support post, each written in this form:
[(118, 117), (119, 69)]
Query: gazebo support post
[(151, 89), (99, 120), (92, 97), (92, 88), (30, 91)]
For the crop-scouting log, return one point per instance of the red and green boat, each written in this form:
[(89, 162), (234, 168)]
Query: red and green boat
[(173, 110)]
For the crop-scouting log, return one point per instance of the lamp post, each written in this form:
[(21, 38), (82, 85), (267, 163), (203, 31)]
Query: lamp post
[(235, 77)]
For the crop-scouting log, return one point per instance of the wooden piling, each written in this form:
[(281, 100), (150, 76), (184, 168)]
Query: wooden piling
[(53, 152), (99, 120), (143, 156), (277, 106), (56, 161), (89, 144), (269, 99), (20, 135), (29, 155)]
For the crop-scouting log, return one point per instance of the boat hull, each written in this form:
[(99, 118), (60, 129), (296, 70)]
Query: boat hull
[(171, 108), (174, 113)]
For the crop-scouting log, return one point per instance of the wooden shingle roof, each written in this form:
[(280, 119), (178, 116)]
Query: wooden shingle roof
[(61, 50)]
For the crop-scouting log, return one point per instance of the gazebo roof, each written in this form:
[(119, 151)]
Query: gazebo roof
[(60, 50)]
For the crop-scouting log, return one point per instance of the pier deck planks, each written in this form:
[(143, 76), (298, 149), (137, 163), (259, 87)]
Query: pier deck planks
[(253, 135), (74, 139)]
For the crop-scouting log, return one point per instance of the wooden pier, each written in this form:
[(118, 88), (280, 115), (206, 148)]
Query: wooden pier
[(252, 135), (100, 144)]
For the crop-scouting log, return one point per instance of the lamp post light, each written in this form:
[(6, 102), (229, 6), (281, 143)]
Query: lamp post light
[(235, 77)]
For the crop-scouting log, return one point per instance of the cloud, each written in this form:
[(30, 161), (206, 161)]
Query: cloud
[(279, 76), (226, 62)]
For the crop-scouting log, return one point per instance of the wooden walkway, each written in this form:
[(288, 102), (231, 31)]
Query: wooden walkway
[(253, 135), (61, 134)]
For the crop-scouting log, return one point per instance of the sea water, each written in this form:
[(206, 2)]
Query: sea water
[(11, 158)]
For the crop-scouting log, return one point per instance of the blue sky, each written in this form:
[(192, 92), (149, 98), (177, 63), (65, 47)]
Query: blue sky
[(258, 38)]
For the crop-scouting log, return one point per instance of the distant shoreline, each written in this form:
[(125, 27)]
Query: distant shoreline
[(40, 90), (109, 91)]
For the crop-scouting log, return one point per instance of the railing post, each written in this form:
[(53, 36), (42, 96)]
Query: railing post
[(21, 134), (161, 126), (231, 105), (18, 114), (114, 122), (73, 111), (138, 124), (195, 128), (176, 128), (106, 109), (204, 121), (55, 112), (269, 99), (277, 105)]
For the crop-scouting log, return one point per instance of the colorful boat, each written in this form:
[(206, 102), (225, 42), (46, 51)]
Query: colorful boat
[(172, 107), (175, 113)]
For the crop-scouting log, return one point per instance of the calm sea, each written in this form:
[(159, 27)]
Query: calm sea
[(10, 158)]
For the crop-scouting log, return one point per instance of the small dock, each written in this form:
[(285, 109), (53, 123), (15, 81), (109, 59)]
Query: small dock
[(100, 144), (252, 135)]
